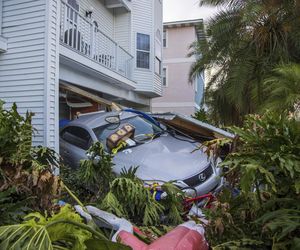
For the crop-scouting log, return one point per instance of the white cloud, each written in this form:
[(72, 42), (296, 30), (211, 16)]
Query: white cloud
[(177, 10)]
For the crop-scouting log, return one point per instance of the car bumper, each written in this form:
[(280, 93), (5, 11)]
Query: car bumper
[(213, 184)]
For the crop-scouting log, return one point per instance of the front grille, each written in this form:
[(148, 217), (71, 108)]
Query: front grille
[(196, 180)]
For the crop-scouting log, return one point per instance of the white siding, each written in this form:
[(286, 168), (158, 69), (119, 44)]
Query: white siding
[(103, 16), (147, 19), (52, 74), (158, 25), (123, 28), (28, 68), (142, 22)]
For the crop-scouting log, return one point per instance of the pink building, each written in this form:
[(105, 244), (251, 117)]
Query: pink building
[(179, 95)]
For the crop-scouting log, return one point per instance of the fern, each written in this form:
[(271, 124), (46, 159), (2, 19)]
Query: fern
[(111, 204), (96, 172), (132, 197), (130, 173), (173, 203)]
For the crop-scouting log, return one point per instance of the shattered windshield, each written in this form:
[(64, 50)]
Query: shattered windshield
[(143, 129)]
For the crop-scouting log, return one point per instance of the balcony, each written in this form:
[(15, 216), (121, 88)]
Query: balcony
[(110, 4), (80, 35)]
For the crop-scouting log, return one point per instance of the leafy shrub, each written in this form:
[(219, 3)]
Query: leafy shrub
[(266, 170), (64, 230), (26, 179)]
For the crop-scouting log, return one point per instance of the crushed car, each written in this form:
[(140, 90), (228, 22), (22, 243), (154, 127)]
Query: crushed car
[(161, 145)]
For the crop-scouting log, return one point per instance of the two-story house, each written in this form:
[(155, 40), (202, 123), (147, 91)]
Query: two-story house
[(179, 95), (58, 57)]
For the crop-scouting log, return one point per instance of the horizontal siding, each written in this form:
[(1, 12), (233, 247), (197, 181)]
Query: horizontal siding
[(123, 28), (142, 22), (22, 66), (103, 16), (158, 28), (52, 77)]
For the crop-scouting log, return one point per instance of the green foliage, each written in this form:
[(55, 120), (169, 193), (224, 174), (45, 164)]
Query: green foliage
[(91, 181), (173, 203), (266, 169), (13, 206), (269, 148), (130, 173), (129, 198), (26, 179), (246, 41), (15, 136), (64, 230), (283, 89), (98, 168), (202, 116)]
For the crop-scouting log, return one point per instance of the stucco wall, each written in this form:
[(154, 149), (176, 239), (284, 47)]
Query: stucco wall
[(179, 95)]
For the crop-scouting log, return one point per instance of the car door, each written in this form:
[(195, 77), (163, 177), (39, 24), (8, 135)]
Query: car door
[(75, 142)]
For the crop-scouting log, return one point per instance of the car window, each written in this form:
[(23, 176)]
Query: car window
[(141, 125), (77, 136)]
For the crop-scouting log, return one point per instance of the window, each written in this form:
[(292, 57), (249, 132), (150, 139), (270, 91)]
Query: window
[(158, 52), (77, 136), (165, 39), (143, 51), (164, 77)]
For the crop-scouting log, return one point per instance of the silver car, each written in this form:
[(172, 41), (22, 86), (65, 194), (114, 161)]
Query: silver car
[(161, 155)]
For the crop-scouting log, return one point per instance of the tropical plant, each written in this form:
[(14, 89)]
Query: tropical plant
[(201, 115), (91, 181), (266, 170), (283, 89), (246, 41), (129, 198), (26, 179), (64, 230), (96, 172)]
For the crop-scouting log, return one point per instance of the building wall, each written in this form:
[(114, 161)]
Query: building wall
[(179, 95), (28, 70), (142, 22), (122, 28), (102, 15), (157, 41), (146, 19)]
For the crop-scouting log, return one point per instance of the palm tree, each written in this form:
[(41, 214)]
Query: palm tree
[(246, 40), (284, 89)]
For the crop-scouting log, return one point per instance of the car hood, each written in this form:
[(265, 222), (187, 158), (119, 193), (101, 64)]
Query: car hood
[(165, 158)]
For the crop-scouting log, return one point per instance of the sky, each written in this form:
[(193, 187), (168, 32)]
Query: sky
[(178, 10)]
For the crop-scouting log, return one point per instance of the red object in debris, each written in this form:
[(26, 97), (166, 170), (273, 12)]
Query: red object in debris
[(187, 236), (188, 202)]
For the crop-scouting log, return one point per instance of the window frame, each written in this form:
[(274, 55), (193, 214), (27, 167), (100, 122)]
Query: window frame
[(164, 76), (89, 142), (165, 39), (158, 57), (143, 51)]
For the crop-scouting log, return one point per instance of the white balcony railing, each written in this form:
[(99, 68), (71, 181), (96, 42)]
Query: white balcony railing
[(79, 34)]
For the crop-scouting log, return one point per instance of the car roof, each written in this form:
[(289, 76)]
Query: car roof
[(94, 120)]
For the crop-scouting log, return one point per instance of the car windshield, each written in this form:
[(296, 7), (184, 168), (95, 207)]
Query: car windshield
[(141, 125)]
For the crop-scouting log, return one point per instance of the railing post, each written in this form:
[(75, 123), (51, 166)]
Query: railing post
[(91, 40), (80, 34)]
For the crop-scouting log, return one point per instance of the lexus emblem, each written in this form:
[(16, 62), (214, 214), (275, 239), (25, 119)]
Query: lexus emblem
[(202, 177)]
